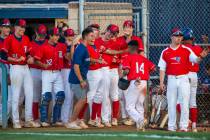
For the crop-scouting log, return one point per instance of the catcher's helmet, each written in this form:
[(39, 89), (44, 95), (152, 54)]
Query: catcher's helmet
[(123, 83)]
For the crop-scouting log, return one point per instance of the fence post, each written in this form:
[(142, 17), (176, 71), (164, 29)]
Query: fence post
[(4, 91), (81, 15)]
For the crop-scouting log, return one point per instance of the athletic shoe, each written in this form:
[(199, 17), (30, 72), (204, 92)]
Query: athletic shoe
[(73, 125), (107, 124), (128, 122), (82, 124), (194, 130), (58, 124), (140, 125), (17, 125), (96, 123), (45, 124), (30, 124), (114, 122)]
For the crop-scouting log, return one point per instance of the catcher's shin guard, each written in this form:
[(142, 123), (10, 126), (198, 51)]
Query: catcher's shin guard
[(46, 98), (59, 99)]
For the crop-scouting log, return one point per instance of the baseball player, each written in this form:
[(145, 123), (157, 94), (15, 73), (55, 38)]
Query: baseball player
[(50, 57), (188, 41), (5, 32), (137, 69), (68, 102), (78, 75), (107, 50), (17, 48), (38, 42), (127, 36), (174, 62)]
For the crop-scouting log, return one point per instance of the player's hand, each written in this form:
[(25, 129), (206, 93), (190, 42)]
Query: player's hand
[(138, 81), (204, 53), (162, 87), (45, 66), (21, 59), (30, 60), (83, 84), (102, 61)]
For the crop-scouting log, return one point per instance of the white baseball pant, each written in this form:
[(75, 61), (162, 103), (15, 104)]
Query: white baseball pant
[(122, 94), (106, 105), (20, 76), (193, 88), (178, 87), (37, 81), (95, 85), (67, 106), (114, 90), (135, 100)]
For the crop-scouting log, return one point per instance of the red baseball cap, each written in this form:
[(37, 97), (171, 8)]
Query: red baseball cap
[(128, 23), (176, 32), (69, 32), (94, 25), (42, 30), (113, 28), (54, 31), (5, 22), (21, 23)]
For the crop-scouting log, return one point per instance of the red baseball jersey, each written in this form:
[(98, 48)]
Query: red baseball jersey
[(35, 46), (139, 67), (52, 55), (194, 67), (102, 46), (176, 61), (93, 53), (16, 47), (1, 46)]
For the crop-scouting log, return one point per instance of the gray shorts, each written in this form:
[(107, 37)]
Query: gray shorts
[(79, 92)]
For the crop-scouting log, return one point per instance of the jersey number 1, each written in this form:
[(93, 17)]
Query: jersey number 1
[(139, 68)]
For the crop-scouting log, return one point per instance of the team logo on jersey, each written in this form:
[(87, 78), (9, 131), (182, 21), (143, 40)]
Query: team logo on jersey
[(49, 61), (60, 54), (177, 59)]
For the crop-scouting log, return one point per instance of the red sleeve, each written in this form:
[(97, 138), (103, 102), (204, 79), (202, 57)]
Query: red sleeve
[(151, 65), (126, 63), (198, 50), (7, 44)]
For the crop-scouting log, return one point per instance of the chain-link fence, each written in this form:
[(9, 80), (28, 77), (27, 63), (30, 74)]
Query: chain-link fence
[(165, 15)]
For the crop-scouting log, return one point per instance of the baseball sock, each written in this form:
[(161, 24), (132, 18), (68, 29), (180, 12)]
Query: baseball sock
[(94, 111), (82, 112), (193, 115), (99, 110), (115, 109), (178, 108), (35, 110)]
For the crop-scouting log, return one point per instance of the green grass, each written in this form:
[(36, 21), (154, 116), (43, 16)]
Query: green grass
[(98, 135)]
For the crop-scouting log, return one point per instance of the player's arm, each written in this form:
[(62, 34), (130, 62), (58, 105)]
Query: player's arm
[(197, 59), (115, 52), (99, 61), (38, 56), (162, 66)]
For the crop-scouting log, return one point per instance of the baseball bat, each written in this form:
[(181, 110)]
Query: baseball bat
[(163, 122)]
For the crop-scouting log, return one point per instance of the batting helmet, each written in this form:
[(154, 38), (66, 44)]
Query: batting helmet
[(188, 34), (123, 83)]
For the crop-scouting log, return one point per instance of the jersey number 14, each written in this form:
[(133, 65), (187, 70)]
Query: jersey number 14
[(139, 68)]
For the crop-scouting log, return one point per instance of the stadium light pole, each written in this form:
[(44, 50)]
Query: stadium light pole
[(81, 15)]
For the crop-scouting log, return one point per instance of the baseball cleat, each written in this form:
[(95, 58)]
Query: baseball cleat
[(73, 125), (140, 125), (107, 124), (95, 123), (128, 122), (194, 130), (114, 122), (59, 123), (30, 124), (82, 124), (17, 125), (45, 124)]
